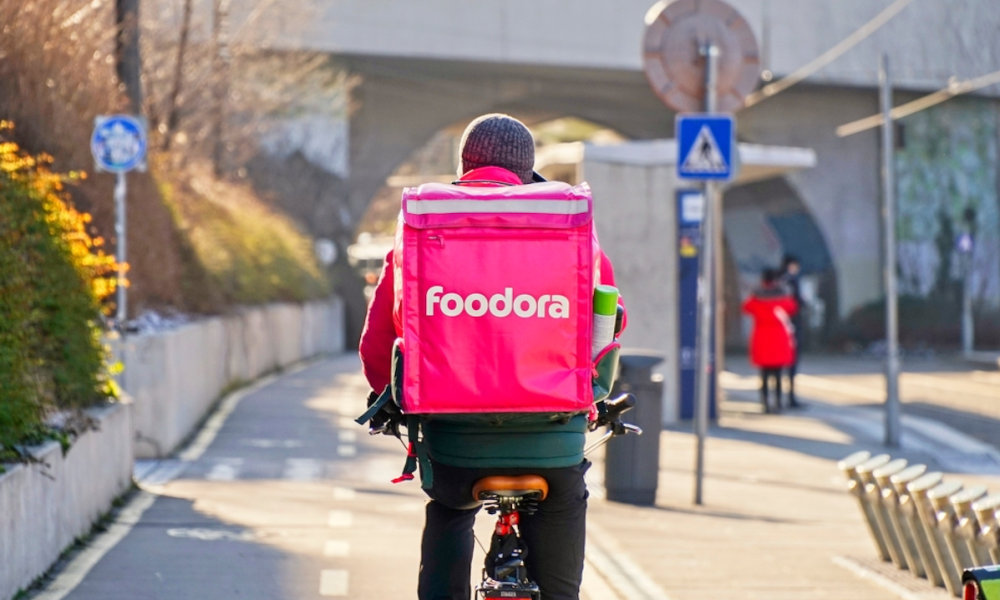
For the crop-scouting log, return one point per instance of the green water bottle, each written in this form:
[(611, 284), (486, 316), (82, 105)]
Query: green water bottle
[(605, 312)]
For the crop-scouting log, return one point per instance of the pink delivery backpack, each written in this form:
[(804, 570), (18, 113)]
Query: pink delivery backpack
[(494, 300)]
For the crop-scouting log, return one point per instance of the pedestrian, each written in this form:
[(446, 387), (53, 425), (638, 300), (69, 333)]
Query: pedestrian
[(790, 271), (772, 341), (496, 151)]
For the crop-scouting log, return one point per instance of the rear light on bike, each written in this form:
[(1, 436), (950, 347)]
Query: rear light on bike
[(970, 591)]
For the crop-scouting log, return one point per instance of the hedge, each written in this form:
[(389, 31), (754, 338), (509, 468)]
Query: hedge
[(53, 278)]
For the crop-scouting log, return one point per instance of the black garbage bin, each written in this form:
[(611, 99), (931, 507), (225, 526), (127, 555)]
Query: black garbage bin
[(632, 462)]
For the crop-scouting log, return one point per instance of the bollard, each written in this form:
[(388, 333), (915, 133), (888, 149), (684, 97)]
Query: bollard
[(911, 521), (967, 525), (877, 484), (941, 498), (940, 519), (632, 463), (918, 490), (989, 527), (892, 499), (849, 466)]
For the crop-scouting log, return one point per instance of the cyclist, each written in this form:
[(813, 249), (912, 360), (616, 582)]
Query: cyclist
[(496, 149)]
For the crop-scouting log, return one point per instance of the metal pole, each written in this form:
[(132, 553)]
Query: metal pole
[(706, 294), (122, 309), (968, 330), (892, 429)]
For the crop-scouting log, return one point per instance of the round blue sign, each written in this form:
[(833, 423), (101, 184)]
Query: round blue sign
[(118, 143)]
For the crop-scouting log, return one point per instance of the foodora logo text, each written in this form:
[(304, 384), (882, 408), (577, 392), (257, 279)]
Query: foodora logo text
[(525, 306)]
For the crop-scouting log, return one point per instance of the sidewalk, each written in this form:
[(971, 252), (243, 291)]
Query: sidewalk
[(776, 513), (282, 496)]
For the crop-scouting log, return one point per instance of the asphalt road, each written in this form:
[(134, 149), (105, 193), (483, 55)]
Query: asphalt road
[(282, 496), (284, 503)]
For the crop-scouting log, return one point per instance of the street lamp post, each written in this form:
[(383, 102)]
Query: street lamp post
[(892, 428)]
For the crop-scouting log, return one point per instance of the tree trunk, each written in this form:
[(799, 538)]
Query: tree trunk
[(220, 82), (173, 111), (129, 64)]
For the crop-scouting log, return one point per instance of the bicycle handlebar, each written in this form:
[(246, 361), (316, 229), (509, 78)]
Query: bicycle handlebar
[(611, 419), (615, 409)]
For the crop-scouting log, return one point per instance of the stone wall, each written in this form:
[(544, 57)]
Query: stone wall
[(176, 376), (45, 506)]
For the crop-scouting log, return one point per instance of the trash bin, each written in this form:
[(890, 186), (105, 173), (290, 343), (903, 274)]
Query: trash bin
[(632, 462)]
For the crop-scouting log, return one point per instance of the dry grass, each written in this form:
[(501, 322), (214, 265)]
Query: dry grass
[(193, 251)]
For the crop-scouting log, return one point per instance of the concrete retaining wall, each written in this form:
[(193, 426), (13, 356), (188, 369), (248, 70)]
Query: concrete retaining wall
[(44, 507), (175, 376)]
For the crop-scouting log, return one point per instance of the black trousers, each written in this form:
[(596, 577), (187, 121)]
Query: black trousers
[(554, 535), (765, 376)]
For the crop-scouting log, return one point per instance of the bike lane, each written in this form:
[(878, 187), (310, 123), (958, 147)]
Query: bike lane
[(289, 500)]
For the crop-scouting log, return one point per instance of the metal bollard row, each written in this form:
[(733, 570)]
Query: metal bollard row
[(919, 522)]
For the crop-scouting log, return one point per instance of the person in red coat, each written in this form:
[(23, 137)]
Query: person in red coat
[(772, 341)]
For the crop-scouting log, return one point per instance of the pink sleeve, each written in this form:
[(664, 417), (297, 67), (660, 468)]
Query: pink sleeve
[(379, 333)]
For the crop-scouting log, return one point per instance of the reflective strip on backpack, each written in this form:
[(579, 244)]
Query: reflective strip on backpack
[(538, 207)]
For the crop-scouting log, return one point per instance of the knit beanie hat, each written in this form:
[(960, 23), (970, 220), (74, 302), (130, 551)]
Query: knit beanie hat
[(497, 140)]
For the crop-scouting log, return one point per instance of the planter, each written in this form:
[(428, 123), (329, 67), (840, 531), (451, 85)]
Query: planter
[(176, 376), (45, 507)]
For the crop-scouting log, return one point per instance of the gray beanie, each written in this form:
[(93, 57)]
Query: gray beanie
[(497, 140)]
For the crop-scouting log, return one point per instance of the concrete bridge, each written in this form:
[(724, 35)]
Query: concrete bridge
[(432, 64)]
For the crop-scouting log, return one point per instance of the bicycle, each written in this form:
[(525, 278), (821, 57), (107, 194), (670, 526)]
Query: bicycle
[(504, 573)]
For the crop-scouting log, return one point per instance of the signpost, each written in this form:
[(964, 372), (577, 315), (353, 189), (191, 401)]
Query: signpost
[(119, 146), (701, 55), (690, 216)]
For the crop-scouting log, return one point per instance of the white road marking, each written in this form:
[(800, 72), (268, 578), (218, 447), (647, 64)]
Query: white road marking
[(260, 443), (340, 518), (225, 469), (347, 436), (214, 423), (347, 451), (333, 582), (347, 494), (302, 469), (82, 563), (211, 535), (337, 548)]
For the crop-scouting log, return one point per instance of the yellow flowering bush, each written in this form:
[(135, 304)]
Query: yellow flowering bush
[(53, 278)]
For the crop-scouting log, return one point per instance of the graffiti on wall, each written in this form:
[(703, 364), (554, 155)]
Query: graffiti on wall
[(947, 174)]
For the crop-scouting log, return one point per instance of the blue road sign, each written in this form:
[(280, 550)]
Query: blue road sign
[(705, 146), (118, 143), (690, 210)]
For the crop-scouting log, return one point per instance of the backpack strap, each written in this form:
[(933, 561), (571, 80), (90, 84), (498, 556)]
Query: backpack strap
[(416, 453), (375, 406)]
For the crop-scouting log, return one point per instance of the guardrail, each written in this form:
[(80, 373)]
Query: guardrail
[(933, 528)]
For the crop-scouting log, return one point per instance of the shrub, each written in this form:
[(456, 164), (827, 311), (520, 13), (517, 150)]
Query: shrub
[(53, 277)]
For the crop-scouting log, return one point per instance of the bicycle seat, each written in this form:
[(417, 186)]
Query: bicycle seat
[(506, 486)]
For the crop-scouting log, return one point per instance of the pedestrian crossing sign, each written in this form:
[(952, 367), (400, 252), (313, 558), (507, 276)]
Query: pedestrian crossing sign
[(705, 146)]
